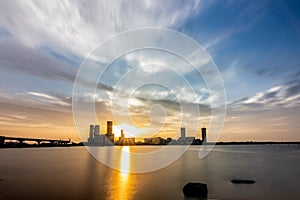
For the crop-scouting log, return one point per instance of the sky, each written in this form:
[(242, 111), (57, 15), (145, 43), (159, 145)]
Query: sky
[(255, 46)]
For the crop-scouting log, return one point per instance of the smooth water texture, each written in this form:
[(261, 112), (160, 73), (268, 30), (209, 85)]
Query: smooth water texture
[(72, 173)]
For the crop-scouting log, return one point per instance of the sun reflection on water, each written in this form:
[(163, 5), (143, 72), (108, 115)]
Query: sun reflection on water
[(125, 160), (121, 182)]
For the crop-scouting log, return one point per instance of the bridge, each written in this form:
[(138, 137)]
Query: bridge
[(38, 140)]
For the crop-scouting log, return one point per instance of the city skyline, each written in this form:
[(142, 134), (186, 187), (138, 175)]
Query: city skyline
[(254, 44), (108, 138)]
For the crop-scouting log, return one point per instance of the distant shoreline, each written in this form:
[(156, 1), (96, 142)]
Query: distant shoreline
[(253, 143), (218, 143)]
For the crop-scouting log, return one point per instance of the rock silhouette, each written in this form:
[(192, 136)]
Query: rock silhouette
[(242, 181), (195, 190)]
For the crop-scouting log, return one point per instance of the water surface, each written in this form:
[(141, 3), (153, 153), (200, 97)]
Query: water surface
[(72, 173)]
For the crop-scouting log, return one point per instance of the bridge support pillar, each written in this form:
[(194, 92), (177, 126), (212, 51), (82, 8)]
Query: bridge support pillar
[(2, 140), (21, 142)]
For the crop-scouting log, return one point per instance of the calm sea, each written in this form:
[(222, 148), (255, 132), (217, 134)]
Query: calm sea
[(72, 173)]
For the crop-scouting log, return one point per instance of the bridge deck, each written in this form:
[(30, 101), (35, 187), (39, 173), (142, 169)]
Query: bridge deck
[(38, 140)]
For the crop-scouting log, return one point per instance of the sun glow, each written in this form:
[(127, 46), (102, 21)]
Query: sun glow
[(117, 131), (129, 130)]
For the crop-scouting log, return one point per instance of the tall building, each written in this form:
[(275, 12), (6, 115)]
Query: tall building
[(109, 134), (154, 140), (109, 127), (122, 133), (122, 138), (182, 134), (91, 132), (126, 141), (96, 130), (182, 131), (203, 130), (96, 139)]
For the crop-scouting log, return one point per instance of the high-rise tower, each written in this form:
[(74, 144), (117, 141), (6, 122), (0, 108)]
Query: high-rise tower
[(122, 138), (94, 133), (182, 132), (96, 139), (91, 131), (122, 134), (96, 130), (109, 127), (203, 130), (109, 134)]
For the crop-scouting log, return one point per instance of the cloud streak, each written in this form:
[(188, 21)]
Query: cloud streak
[(286, 95), (76, 25)]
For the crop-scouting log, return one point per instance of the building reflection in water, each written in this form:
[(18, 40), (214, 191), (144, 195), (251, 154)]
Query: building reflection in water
[(121, 183)]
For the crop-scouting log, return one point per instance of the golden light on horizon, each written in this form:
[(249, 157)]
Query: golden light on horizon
[(116, 131), (129, 130)]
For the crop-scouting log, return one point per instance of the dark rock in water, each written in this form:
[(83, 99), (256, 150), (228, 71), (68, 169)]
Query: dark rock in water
[(195, 190), (242, 181)]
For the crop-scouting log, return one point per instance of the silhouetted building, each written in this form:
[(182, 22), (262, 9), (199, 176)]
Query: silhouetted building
[(101, 140), (183, 139), (122, 138), (91, 132), (94, 132), (147, 140), (182, 132), (129, 141), (169, 140), (91, 137), (156, 140), (2, 140), (189, 140), (109, 134), (203, 130), (122, 133), (95, 139), (111, 138), (197, 142), (126, 141), (109, 127)]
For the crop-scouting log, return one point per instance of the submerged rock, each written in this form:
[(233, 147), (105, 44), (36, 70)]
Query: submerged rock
[(242, 181), (195, 190)]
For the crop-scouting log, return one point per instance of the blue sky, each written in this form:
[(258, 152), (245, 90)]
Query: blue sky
[(254, 44), (258, 40)]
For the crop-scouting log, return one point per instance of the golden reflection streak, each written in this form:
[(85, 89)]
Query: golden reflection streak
[(122, 180)]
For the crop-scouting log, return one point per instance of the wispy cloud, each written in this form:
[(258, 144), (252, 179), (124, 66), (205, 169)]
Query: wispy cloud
[(50, 99), (286, 95)]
